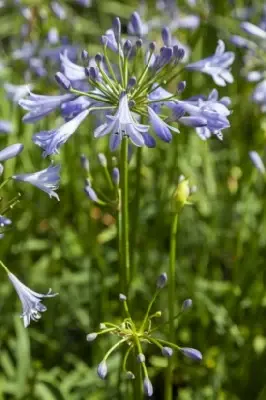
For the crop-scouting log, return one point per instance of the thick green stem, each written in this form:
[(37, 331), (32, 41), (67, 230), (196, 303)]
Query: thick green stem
[(124, 218), (135, 211), (171, 302)]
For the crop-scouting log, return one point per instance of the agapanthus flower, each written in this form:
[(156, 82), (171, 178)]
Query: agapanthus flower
[(51, 141), (129, 97), (40, 105), (16, 92), (46, 180), (217, 65), (30, 300), (254, 61)]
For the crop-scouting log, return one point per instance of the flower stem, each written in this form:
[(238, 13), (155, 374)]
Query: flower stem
[(135, 211), (3, 266), (124, 218), (171, 303)]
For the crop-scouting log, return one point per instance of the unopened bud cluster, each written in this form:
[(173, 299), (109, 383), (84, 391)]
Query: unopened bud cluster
[(135, 337)]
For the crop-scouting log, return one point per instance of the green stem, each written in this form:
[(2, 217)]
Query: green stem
[(3, 266), (124, 218), (171, 302), (135, 211)]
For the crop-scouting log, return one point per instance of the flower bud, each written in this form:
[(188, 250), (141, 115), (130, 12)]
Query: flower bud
[(122, 297), (191, 353), (84, 162), (102, 369), (116, 176), (139, 43), (141, 358), (167, 351), (131, 82), (102, 326), (187, 304), (1, 169), (166, 36), (158, 314), (161, 281), (11, 151), (148, 389), (181, 194), (91, 336), (117, 28), (62, 81), (257, 161), (102, 160), (130, 375), (85, 55), (152, 46), (98, 58), (127, 48), (181, 86), (91, 193)]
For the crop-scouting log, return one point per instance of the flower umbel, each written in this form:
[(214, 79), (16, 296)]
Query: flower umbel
[(138, 335)]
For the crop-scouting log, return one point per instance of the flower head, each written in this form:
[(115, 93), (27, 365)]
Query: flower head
[(30, 300), (46, 179)]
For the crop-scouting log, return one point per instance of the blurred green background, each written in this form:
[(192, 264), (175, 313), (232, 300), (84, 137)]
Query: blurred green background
[(70, 245)]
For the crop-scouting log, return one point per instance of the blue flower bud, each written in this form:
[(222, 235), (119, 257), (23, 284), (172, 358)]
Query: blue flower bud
[(127, 48), (131, 82), (167, 351), (91, 193), (91, 336), (137, 25), (148, 389), (98, 58), (166, 36), (62, 81), (85, 55), (84, 162), (117, 28), (152, 46), (180, 54), (181, 86), (11, 151), (122, 297), (141, 358), (102, 369), (257, 161), (102, 160), (139, 43), (186, 304), (161, 281), (93, 73), (191, 353), (116, 176)]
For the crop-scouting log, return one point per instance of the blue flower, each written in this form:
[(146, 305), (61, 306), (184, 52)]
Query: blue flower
[(71, 70), (30, 300), (16, 92), (46, 179), (252, 29), (259, 95), (39, 105), (216, 65), (208, 116), (161, 128), (121, 124), (51, 141)]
